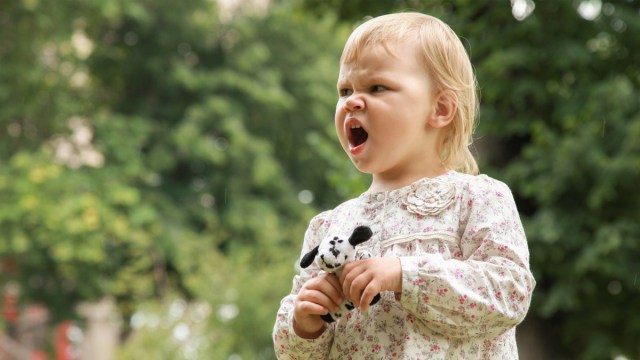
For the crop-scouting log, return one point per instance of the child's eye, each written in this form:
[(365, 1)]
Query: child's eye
[(345, 92), (378, 88)]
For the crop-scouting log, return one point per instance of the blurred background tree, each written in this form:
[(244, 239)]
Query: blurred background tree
[(169, 155)]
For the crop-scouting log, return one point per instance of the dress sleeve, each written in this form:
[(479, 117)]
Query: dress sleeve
[(484, 291), (287, 344)]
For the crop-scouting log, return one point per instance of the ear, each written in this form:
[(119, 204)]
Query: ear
[(308, 258), (445, 108), (360, 235)]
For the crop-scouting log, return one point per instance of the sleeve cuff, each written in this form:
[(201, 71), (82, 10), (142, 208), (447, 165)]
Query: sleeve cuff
[(318, 345), (409, 290), (413, 270)]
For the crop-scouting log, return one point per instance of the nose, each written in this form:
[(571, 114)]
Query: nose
[(353, 103)]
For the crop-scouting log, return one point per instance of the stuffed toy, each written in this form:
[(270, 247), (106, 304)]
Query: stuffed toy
[(332, 254)]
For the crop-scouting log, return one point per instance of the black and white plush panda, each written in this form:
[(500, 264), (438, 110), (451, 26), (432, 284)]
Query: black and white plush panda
[(332, 254)]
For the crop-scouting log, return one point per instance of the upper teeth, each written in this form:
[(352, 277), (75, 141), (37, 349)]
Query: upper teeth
[(353, 126)]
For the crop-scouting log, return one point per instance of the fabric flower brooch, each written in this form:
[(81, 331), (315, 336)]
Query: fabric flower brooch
[(430, 197)]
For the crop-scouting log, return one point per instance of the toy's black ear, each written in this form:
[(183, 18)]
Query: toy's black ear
[(308, 258), (360, 235)]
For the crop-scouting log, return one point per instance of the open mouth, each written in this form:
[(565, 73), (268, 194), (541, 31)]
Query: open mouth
[(357, 136), (328, 266)]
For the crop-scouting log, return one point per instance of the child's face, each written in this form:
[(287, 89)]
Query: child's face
[(384, 107)]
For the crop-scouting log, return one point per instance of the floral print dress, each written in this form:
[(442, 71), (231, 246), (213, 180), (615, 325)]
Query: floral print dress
[(466, 281)]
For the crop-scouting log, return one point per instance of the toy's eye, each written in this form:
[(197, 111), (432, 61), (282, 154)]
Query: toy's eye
[(335, 238), (340, 241)]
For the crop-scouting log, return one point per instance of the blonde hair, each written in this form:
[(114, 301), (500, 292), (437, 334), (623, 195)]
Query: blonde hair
[(445, 60)]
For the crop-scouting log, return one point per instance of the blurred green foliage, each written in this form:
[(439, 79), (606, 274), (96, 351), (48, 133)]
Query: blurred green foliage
[(158, 152)]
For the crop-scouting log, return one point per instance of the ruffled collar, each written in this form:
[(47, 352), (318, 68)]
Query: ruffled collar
[(427, 196)]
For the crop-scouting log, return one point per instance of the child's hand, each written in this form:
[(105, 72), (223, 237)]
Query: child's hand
[(362, 280), (318, 296)]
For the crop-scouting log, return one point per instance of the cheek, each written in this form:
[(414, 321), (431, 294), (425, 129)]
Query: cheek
[(339, 122), (340, 114)]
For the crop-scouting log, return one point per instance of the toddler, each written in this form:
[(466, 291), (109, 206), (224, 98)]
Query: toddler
[(450, 256)]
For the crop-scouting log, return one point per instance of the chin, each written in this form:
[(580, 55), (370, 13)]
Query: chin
[(362, 167)]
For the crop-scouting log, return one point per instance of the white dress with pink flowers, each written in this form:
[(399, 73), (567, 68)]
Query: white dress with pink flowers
[(466, 281)]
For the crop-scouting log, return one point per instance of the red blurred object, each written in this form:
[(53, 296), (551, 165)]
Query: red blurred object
[(62, 343), (38, 355), (10, 310)]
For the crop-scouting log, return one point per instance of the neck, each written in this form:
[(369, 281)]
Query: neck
[(385, 182)]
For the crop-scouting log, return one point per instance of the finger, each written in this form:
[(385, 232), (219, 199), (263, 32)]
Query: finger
[(350, 269), (358, 286), (307, 308), (324, 290), (348, 277), (318, 298), (336, 294), (346, 269), (332, 289), (324, 283), (367, 295)]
